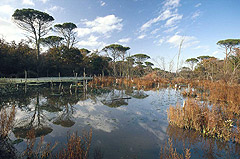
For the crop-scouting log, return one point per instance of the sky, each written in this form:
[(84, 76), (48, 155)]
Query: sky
[(152, 27)]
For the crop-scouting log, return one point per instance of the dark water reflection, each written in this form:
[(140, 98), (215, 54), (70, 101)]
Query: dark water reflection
[(126, 123)]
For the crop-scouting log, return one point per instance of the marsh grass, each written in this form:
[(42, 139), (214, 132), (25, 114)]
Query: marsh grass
[(209, 120), (139, 83), (77, 147), (168, 152), (37, 150), (7, 117)]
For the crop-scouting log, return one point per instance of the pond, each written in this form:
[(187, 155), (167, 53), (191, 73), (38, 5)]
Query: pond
[(125, 123)]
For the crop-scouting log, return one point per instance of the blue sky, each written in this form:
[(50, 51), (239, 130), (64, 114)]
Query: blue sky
[(153, 27)]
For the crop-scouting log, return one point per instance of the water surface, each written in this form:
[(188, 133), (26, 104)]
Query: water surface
[(126, 123)]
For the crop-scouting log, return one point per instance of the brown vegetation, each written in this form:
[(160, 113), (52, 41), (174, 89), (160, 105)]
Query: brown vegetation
[(6, 121), (42, 151), (210, 120), (77, 147), (168, 152)]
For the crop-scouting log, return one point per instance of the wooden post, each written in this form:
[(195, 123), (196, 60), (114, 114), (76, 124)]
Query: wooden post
[(25, 81)]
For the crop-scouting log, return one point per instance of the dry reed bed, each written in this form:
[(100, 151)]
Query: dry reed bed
[(7, 117), (129, 82), (168, 152), (209, 120), (77, 147)]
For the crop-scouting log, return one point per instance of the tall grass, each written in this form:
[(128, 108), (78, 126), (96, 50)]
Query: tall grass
[(139, 83), (168, 152), (6, 121), (209, 120), (37, 150), (77, 146)]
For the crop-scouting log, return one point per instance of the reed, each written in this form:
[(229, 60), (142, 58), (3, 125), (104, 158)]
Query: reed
[(37, 150), (6, 121), (168, 152), (77, 147), (199, 116)]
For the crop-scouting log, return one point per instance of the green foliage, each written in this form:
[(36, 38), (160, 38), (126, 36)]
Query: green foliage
[(66, 30), (51, 41), (68, 26), (84, 51), (149, 64), (115, 51), (141, 57), (35, 22), (15, 59), (116, 47), (204, 57), (31, 15), (192, 60), (228, 42)]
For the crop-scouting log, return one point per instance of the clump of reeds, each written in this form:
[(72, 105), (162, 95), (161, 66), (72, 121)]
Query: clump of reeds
[(139, 83), (190, 93), (77, 147), (168, 152), (6, 121), (37, 150), (200, 117)]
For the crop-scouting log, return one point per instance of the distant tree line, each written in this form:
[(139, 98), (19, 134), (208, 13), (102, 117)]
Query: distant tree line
[(209, 67)]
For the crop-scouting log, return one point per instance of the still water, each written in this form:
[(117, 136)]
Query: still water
[(125, 123)]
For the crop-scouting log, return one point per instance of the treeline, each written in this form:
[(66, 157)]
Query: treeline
[(211, 68), (16, 58)]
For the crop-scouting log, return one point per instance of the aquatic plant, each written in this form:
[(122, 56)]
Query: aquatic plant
[(41, 151), (168, 152), (6, 121), (199, 116), (77, 146)]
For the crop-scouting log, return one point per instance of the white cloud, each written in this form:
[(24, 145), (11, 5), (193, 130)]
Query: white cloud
[(171, 29), (171, 3), (203, 47), (172, 21), (6, 10), (91, 42), (28, 2), (102, 3), (56, 8), (141, 36), (124, 40), (168, 19), (10, 31), (196, 14), (161, 41), (198, 5), (155, 31), (188, 41), (163, 16), (101, 25), (216, 52), (44, 1)]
